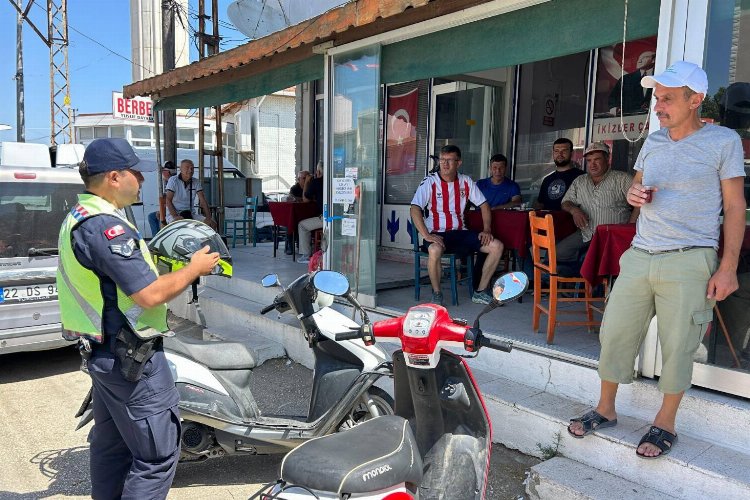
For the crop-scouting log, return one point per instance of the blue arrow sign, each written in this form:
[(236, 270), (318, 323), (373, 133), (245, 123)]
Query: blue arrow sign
[(410, 231), (392, 225)]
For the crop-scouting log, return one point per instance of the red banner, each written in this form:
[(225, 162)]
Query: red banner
[(401, 144)]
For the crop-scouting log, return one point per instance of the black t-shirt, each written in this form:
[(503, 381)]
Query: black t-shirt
[(554, 187), (315, 192), (296, 191), (109, 247)]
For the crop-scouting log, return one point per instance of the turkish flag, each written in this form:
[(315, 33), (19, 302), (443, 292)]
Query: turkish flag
[(401, 143)]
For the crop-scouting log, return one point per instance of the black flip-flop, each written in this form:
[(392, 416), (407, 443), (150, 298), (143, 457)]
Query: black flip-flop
[(660, 438), (591, 422)]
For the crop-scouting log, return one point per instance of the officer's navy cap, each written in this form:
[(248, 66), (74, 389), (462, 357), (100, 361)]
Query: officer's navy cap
[(103, 155)]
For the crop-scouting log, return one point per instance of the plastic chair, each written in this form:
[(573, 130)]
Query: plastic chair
[(240, 227), (452, 268), (543, 239)]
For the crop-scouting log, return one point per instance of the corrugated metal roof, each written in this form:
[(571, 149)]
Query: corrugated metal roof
[(354, 14)]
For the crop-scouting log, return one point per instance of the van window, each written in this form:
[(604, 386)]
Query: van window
[(32, 218)]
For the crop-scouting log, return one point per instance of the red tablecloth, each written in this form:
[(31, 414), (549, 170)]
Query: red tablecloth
[(609, 243), (512, 226), (290, 213)]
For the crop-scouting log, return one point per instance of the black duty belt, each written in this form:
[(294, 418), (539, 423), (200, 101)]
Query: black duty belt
[(673, 250)]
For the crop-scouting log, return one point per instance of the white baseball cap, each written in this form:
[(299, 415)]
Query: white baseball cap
[(679, 74)]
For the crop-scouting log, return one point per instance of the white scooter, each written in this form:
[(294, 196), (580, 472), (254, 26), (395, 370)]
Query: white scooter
[(219, 414), (438, 444)]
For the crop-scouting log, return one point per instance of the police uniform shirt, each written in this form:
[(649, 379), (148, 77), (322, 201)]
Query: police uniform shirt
[(109, 247)]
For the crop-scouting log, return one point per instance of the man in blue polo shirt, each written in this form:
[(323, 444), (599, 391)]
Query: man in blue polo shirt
[(500, 191)]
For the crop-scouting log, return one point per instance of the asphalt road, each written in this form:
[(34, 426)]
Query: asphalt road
[(45, 458)]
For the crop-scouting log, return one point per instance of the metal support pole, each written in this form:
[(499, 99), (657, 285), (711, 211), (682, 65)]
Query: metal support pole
[(20, 119)]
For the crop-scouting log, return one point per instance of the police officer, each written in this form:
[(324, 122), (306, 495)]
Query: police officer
[(112, 298)]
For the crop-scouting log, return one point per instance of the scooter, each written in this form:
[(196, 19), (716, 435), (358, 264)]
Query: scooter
[(437, 446), (219, 414)]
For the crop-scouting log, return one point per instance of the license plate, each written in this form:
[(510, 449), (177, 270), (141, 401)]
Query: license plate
[(27, 293)]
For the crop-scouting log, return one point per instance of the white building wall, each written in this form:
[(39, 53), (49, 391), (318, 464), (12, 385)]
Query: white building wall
[(275, 155)]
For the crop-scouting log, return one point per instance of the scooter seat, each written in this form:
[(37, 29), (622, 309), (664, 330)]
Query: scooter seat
[(215, 355), (372, 456)]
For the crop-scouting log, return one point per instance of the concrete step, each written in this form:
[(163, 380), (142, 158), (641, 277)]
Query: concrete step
[(534, 422), (563, 479)]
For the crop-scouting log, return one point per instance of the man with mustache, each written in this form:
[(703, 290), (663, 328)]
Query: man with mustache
[(686, 173)]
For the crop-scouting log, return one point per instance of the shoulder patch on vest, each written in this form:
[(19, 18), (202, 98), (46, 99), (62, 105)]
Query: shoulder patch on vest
[(125, 249), (114, 231)]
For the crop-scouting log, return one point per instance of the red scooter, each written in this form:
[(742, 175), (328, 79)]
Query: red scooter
[(437, 445)]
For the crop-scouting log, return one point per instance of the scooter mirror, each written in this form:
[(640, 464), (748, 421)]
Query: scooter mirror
[(331, 282), (510, 286), (270, 280)]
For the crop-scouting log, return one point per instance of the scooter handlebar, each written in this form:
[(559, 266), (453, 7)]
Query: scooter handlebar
[(500, 345), (268, 309), (354, 334)]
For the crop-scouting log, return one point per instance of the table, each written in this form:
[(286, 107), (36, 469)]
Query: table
[(288, 214), (512, 226), (609, 243)]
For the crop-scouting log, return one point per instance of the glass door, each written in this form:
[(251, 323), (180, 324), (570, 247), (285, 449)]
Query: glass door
[(461, 114)]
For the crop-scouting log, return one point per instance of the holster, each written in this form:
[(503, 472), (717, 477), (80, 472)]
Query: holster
[(134, 352)]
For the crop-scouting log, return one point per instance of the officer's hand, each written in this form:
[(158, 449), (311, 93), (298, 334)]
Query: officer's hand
[(204, 262)]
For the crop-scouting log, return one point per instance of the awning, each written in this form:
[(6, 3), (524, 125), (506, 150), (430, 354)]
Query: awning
[(535, 33)]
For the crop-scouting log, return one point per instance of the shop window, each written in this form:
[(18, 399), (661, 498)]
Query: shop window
[(727, 64), (406, 139), (101, 132), (319, 130), (140, 132), (117, 131), (621, 104), (551, 104), (85, 133)]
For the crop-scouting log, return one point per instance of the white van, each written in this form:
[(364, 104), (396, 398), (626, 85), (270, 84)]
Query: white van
[(33, 203)]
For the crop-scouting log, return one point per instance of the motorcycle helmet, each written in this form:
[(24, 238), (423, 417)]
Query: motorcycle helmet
[(173, 246)]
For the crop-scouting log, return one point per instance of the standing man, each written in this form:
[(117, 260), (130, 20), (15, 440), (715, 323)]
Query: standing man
[(181, 193), (685, 174), (445, 194), (599, 197), (111, 298), (313, 192), (500, 191), (556, 184)]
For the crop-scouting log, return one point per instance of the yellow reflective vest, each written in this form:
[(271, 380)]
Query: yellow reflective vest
[(79, 288)]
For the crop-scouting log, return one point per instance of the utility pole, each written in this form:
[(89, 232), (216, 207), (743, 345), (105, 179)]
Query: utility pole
[(57, 41), (20, 119), (170, 116)]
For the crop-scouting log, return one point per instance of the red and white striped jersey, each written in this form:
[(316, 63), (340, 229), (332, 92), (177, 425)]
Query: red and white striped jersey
[(446, 201)]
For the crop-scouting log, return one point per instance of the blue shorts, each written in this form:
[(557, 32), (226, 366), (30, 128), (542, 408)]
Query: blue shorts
[(460, 242)]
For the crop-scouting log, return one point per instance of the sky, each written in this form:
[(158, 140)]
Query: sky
[(95, 71)]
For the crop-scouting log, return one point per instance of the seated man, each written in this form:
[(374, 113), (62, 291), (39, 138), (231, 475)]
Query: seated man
[(296, 193), (599, 197), (498, 190), (445, 194), (556, 183), (182, 190), (313, 192)]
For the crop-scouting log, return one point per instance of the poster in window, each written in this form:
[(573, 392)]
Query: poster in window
[(401, 144), (617, 94)]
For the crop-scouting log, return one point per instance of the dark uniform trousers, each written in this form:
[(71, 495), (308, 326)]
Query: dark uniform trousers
[(135, 441)]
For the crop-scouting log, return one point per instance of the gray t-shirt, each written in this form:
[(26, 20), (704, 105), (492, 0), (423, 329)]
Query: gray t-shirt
[(688, 173)]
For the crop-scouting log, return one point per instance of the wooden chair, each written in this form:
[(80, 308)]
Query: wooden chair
[(317, 237), (543, 239), (448, 259), (244, 227)]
